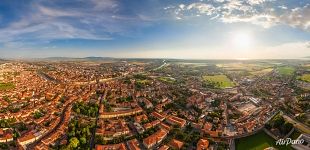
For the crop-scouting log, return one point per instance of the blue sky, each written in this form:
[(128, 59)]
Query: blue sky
[(201, 29)]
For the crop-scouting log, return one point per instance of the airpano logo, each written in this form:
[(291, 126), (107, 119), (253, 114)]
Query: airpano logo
[(288, 141)]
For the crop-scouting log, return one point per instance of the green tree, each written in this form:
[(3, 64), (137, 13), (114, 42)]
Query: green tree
[(268, 126), (278, 121), (4, 146), (287, 127), (74, 142), (78, 110), (83, 140)]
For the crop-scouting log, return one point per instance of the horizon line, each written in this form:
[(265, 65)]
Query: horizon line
[(162, 58)]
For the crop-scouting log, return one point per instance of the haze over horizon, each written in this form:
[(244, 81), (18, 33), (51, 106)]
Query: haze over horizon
[(200, 29)]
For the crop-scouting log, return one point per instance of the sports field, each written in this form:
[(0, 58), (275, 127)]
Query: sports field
[(258, 141), (221, 81)]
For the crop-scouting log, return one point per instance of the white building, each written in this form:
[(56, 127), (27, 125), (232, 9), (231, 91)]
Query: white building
[(302, 142)]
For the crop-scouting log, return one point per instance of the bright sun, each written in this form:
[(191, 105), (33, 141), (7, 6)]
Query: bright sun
[(241, 39)]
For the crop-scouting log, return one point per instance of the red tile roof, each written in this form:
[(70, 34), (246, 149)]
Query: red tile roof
[(120, 146), (176, 144), (202, 144)]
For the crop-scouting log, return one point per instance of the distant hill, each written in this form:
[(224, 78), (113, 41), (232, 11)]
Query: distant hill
[(57, 58), (97, 58), (76, 59)]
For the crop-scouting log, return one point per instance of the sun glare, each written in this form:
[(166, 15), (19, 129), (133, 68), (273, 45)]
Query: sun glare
[(241, 39)]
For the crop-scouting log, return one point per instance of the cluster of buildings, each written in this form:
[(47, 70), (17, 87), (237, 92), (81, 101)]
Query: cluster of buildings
[(150, 113), (38, 104), (141, 109), (112, 128), (6, 135)]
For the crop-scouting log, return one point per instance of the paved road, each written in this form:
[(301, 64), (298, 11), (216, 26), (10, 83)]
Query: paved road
[(47, 77), (297, 124), (100, 80), (92, 140)]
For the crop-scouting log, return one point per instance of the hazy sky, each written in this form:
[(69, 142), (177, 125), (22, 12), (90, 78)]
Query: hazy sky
[(202, 29)]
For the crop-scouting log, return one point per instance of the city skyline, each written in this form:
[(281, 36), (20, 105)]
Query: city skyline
[(212, 29)]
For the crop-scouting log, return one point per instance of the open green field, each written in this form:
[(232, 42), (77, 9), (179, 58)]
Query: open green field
[(304, 77), (143, 81), (286, 70), (252, 67), (221, 81), (261, 72), (167, 79), (258, 141), (6, 86)]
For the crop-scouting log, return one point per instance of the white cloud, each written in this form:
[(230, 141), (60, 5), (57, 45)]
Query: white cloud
[(232, 5), (56, 12), (251, 11), (220, 1), (202, 8), (47, 21), (298, 17), (282, 7), (265, 21), (104, 5), (182, 6), (257, 2)]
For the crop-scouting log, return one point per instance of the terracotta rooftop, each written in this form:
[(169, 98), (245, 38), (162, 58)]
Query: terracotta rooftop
[(202, 144), (133, 144), (120, 146), (176, 144)]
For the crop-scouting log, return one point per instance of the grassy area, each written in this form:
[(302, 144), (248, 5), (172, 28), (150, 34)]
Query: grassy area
[(258, 141), (243, 66), (143, 81), (286, 70), (167, 79), (220, 81), (304, 77), (261, 72), (6, 86)]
